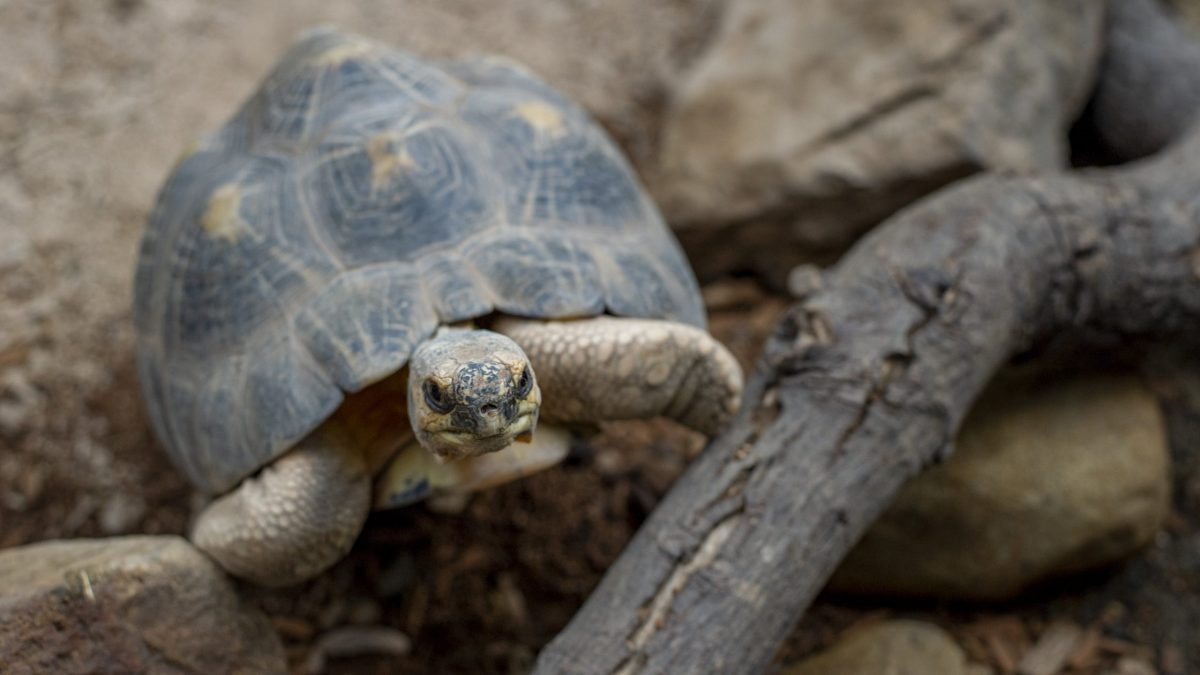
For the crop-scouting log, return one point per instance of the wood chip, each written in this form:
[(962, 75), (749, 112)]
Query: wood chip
[(293, 628), (804, 280), (1087, 650), (1131, 666), (1052, 650), (974, 646), (356, 641), (1123, 648), (1006, 640), (509, 601)]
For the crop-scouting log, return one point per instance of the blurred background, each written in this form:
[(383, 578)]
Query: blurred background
[(772, 133)]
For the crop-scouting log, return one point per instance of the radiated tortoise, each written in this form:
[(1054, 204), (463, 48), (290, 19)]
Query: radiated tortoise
[(367, 265)]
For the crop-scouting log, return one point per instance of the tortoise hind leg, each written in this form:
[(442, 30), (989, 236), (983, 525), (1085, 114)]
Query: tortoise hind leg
[(294, 519), (611, 368)]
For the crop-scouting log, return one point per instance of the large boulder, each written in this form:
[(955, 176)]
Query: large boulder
[(888, 648), (808, 121), (1052, 475), (127, 605)]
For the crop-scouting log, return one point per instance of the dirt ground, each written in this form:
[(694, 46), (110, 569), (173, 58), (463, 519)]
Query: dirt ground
[(99, 97)]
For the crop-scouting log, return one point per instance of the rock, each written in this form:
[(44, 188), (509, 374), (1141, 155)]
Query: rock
[(1052, 475), (889, 648), (807, 121), (1131, 666), (356, 641), (121, 512), (127, 605), (1189, 12)]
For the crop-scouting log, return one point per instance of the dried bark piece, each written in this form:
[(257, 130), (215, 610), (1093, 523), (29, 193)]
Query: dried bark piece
[(1052, 650)]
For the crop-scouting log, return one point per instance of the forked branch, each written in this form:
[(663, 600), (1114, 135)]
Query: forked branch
[(866, 380)]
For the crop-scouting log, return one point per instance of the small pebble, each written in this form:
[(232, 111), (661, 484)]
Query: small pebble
[(1132, 666), (509, 600), (120, 513), (356, 641), (804, 280)]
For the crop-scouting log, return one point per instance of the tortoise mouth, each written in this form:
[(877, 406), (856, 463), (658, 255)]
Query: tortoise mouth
[(454, 445)]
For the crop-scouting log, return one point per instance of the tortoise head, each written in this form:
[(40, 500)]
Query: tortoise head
[(471, 392)]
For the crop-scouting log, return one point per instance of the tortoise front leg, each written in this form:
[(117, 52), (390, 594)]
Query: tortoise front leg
[(610, 368), (414, 474), (294, 519)]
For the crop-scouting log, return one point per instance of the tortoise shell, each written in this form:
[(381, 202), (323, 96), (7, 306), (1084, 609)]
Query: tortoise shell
[(360, 198)]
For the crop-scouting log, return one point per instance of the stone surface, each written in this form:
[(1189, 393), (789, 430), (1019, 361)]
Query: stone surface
[(126, 605), (1189, 11), (1052, 475), (807, 121), (888, 648)]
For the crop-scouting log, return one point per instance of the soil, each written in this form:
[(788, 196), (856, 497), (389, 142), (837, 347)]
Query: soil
[(98, 98)]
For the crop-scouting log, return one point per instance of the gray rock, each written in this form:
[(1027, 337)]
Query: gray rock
[(807, 121), (1052, 475), (1189, 12), (356, 641), (127, 605), (888, 648)]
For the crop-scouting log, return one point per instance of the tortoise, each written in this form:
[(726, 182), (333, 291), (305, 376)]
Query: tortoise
[(365, 264)]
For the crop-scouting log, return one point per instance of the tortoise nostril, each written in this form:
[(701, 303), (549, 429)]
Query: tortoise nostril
[(488, 408)]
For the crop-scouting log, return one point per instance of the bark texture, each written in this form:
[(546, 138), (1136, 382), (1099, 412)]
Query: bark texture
[(868, 377)]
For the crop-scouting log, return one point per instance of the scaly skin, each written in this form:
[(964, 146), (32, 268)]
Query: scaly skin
[(294, 519), (303, 512), (610, 368)]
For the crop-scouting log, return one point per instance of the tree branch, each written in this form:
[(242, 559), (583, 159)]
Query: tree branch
[(865, 383)]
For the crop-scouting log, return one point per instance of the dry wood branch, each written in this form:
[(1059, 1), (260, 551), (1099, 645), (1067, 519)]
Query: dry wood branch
[(865, 383)]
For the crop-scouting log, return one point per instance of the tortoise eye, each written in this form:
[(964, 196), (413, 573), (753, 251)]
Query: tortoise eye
[(435, 397), (525, 383)]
